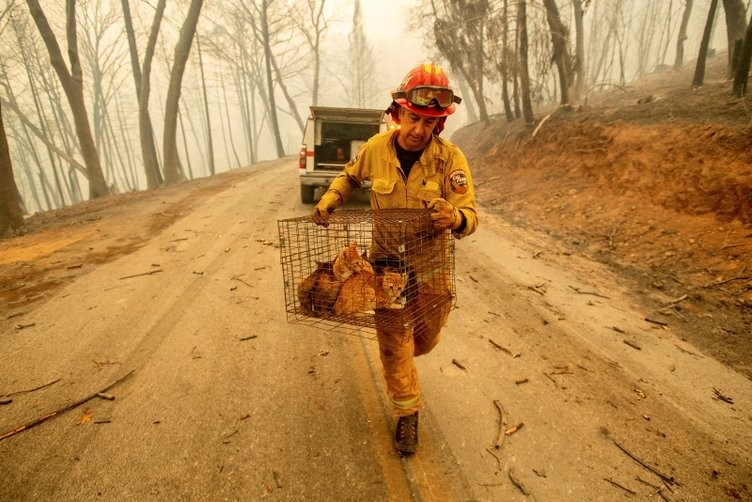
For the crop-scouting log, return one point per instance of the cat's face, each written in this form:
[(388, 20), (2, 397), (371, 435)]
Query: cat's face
[(394, 283)]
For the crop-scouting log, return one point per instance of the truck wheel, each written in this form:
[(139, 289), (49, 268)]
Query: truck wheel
[(306, 194)]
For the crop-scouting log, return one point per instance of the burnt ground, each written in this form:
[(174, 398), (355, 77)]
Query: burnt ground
[(653, 179)]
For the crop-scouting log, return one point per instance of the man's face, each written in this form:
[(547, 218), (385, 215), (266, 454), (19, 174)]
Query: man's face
[(415, 130)]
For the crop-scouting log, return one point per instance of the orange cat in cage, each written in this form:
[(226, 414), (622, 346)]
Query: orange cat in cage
[(366, 291), (318, 292), (349, 262)]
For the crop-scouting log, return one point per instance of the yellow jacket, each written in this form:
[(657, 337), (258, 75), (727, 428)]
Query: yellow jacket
[(441, 171)]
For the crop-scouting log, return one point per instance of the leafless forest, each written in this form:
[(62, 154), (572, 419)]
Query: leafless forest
[(104, 96)]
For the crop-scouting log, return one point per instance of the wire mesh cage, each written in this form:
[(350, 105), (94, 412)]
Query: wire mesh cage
[(387, 268)]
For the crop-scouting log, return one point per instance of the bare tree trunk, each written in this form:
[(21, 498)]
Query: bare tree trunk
[(736, 26), (700, 68), (460, 37), (527, 105), (245, 102), (666, 41), (184, 136), (312, 24), (28, 62), (132, 176), (679, 61), (505, 62), (270, 80), (43, 137), (209, 140), (472, 114), (579, 61), (229, 122), (647, 29), (146, 131), (72, 82), (560, 52), (742, 73), (182, 50), (11, 216), (290, 101)]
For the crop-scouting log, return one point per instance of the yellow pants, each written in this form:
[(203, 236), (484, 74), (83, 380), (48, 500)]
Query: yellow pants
[(405, 334)]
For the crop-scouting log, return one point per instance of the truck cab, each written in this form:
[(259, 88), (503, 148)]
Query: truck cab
[(331, 138)]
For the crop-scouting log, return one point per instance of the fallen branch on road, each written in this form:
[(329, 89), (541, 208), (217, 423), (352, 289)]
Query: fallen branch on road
[(516, 482), (498, 459), (578, 290), (32, 390), (537, 289), (631, 492), (502, 423), (730, 279), (632, 344), (669, 480), (141, 274), (723, 398), (504, 349), (65, 408), (659, 323)]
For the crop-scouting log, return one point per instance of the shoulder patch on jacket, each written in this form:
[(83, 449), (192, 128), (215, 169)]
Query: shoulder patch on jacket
[(458, 181)]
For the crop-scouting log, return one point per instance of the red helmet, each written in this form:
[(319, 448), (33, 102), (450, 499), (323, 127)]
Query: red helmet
[(425, 90)]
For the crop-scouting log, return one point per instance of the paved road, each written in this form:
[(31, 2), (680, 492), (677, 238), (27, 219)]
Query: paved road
[(224, 399)]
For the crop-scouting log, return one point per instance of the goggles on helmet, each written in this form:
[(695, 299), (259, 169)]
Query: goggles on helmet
[(427, 95)]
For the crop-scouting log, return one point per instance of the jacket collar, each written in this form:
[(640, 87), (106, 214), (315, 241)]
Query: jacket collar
[(431, 153)]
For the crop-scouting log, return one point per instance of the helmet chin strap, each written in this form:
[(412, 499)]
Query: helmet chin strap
[(439, 126)]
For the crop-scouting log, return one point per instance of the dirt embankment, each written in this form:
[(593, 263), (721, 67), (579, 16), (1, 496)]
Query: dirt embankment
[(654, 180)]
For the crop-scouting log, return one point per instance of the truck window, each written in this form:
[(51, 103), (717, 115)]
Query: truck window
[(338, 136)]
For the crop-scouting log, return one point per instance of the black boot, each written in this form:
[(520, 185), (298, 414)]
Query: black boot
[(406, 434)]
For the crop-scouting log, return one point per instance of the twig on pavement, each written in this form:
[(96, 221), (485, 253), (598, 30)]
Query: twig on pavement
[(32, 390), (666, 479), (65, 408), (631, 492), (502, 423)]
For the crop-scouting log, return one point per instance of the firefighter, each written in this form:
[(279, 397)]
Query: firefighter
[(411, 167)]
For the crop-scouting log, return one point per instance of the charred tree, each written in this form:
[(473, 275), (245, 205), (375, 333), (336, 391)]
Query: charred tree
[(527, 105), (700, 68), (742, 73), (736, 26), (679, 60), (560, 55), (72, 83), (579, 49), (265, 38), (508, 113), (182, 50), (146, 131), (11, 216), (460, 35), (209, 139)]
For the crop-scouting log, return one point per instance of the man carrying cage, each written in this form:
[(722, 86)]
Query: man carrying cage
[(412, 167)]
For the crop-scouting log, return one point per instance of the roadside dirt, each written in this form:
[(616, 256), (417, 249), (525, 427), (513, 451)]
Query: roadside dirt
[(654, 180)]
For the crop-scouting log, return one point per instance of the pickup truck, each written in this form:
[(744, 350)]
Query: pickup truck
[(331, 138)]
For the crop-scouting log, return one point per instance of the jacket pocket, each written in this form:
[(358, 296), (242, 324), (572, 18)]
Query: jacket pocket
[(429, 191), (383, 186)]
